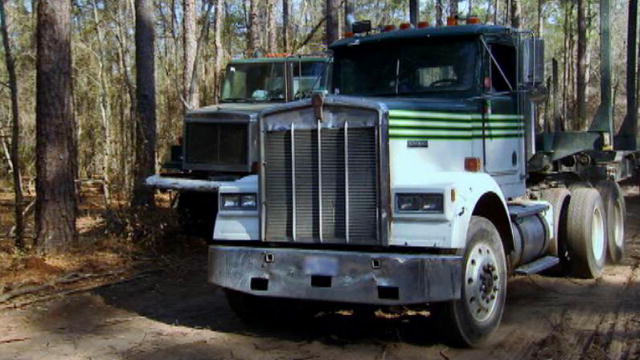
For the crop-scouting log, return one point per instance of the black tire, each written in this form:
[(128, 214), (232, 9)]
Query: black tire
[(197, 213), (465, 322), (616, 212), (559, 199), (586, 233)]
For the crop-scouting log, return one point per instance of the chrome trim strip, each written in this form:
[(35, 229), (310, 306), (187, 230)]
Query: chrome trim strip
[(319, 132), (293, 182), (384, 177), (346, 181)]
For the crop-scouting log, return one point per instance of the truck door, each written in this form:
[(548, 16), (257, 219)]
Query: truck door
[(502, 127)]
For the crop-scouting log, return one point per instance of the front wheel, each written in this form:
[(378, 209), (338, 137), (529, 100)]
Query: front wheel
[(476, 315)]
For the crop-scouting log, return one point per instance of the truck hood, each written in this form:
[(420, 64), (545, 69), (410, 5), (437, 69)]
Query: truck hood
[(237, 108), (429, 104)]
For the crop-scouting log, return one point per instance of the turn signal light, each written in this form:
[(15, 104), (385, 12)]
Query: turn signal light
[(472, 164)]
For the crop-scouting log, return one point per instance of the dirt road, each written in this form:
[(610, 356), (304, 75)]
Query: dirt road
[(173, 314)]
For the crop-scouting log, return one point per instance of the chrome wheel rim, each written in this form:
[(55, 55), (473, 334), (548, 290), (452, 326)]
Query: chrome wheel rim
[(597, 234), (618, 226), (482, 282)]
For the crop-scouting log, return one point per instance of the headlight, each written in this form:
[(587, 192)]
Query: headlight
[(424, 203), (238, 201)]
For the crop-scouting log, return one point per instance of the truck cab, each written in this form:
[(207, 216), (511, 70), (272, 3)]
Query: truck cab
[(414, 183), (219, 142)]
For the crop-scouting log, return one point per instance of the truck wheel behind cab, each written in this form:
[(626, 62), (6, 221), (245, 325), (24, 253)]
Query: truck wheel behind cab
[(586, 233), (559, 200), (616, 212), (472, 319)]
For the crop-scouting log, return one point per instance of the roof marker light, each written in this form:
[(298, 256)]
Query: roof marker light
[(348, 34), (388, 28), (405, 26), (452, 20), (423, 24), (473, 20)]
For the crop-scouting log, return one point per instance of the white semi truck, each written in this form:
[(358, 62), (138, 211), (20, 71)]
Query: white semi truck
[(420, 180)]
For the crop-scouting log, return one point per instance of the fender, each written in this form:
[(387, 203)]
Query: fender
[(466, 194), (237, 224)]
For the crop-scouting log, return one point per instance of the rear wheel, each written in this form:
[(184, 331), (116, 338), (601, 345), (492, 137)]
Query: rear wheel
[(615, 210), (472, 319), (559, 200), (586, 233)]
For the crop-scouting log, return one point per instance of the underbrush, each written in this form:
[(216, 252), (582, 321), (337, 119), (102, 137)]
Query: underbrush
[(115, 240)]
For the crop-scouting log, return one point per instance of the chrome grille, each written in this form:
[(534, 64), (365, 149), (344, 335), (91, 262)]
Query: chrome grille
[(321, 186)]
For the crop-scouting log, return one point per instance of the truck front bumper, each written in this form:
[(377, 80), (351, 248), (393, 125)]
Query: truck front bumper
[(339, 276)]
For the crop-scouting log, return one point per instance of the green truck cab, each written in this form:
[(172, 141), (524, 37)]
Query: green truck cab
[(219, 142)]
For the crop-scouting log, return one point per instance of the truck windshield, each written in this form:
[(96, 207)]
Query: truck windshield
[(254, 82), (308, 76), (421, 68)]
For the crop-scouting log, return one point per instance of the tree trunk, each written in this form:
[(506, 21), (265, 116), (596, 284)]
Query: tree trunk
[(332, 24), (189, 93), (285, 25), (349, 17), (603, 121), (272, 34), (105, 110), (253, 29), (219, 50), (539, 24), (15, 133), (146, 105), (56, 151), (581, 60), (414, 12), (439, 13), (515, 14), (630, 124), (453, 8)]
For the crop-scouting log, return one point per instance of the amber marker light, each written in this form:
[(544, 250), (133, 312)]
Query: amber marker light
[(472, 164), (423, 24), (388, 28), (452, 20), (405, 26), (473, 20), (349, 34)]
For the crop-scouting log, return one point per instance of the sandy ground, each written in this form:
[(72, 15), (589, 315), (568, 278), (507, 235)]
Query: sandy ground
[(174, 314)]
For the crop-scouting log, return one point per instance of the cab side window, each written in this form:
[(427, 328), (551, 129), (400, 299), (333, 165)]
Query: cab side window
[(505, 56)]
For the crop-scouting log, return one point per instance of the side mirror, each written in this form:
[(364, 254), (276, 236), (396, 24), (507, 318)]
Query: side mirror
[(532, 60)]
